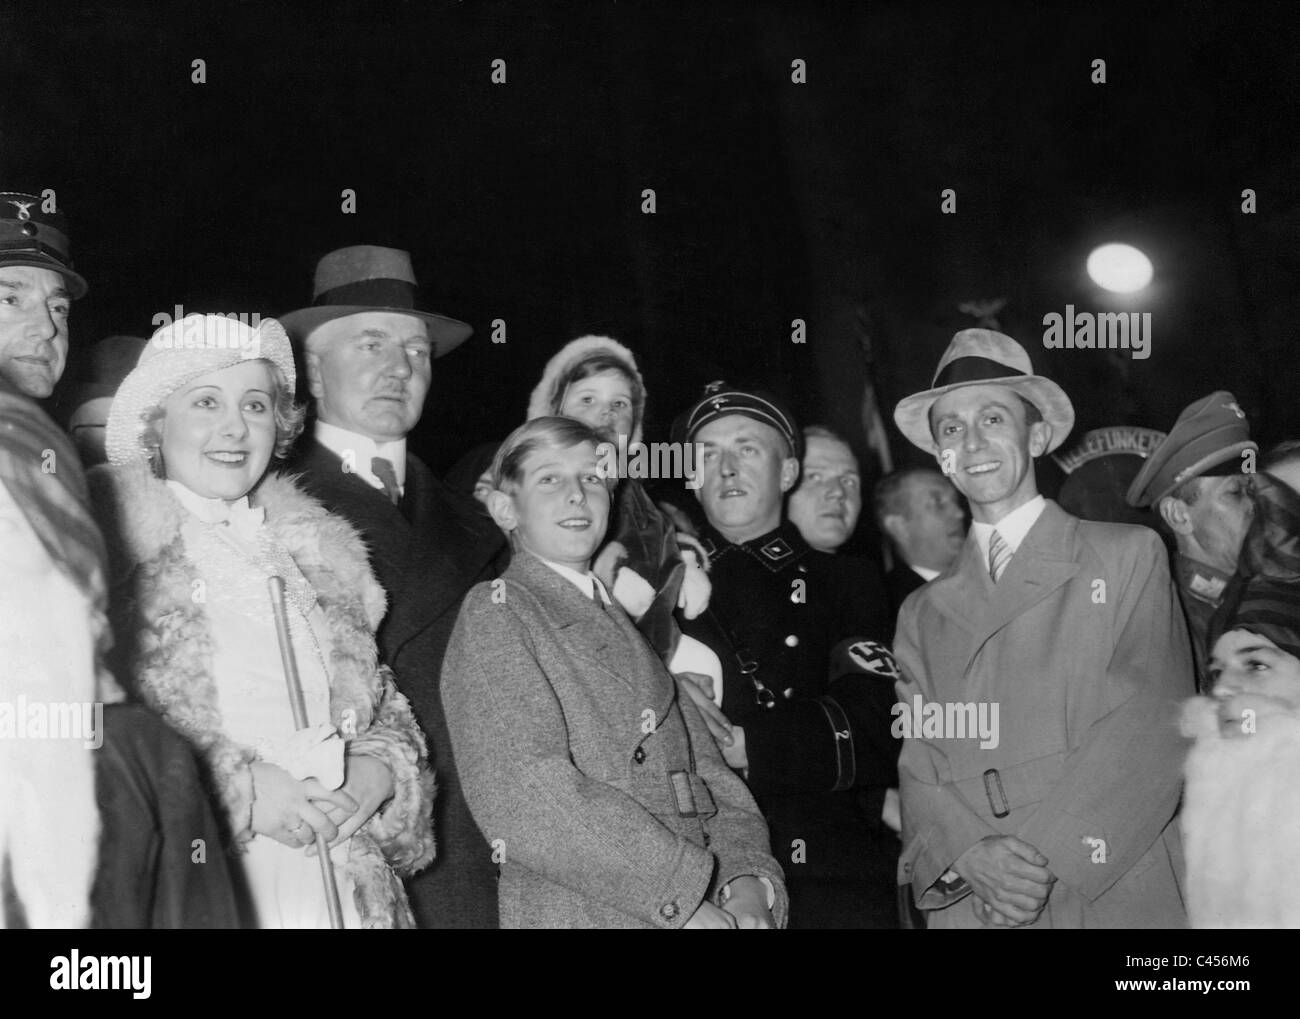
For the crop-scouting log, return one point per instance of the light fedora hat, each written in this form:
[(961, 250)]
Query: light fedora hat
[(982, 357), (370, 278)]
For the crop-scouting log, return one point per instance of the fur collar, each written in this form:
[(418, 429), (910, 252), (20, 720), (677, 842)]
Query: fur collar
[(148, 519), (163, 642), (164, 647)]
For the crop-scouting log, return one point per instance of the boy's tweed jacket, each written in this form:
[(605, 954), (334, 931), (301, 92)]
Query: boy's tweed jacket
[(570, 740), (164, 650)]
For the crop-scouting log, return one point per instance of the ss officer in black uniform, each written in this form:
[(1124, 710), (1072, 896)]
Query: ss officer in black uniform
[(803, 638)]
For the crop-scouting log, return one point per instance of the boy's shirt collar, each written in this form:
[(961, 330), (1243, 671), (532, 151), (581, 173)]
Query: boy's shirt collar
[(587, 582)]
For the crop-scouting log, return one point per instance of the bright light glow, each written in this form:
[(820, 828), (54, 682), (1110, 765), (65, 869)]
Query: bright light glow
[(1120, 268)]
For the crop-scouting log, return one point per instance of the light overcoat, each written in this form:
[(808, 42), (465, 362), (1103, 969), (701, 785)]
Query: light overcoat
[(1082, 647)]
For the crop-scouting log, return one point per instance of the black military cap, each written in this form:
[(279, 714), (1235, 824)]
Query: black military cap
[(720, 399), (31, 236)]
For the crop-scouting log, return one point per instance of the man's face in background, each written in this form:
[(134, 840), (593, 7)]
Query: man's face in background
[(1219, 519), (826, 505), (34, 309), (931, 528)]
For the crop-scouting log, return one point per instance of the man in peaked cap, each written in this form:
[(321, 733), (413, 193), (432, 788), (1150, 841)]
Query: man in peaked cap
[(37, 288), (807, 674), (1199, 480), (369, 350), (1065, 634)]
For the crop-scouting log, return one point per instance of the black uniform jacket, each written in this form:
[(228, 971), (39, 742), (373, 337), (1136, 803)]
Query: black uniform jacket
[(803, 638)]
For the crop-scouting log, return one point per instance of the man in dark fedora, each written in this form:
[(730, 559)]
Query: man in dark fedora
[(1064, 633), (37, 288), (1199, 479), (368, 353)]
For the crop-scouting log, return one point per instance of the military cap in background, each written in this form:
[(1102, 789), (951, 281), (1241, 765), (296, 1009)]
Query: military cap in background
[(1207, 440)]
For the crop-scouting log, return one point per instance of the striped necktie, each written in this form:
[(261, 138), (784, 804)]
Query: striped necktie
[(999, 555), (382, 468)]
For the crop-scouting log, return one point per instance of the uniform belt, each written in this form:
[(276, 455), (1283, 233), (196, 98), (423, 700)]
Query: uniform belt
[(1019, 785), (671, 794)]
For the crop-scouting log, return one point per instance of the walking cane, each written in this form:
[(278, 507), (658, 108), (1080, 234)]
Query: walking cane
[(299, 707)]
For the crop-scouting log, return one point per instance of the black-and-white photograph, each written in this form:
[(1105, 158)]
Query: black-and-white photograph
[(730, 465)]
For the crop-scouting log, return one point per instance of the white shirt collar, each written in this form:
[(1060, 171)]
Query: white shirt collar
[(356, 452), (924, 572), (584, 582), (210, 511), (1013, 527)]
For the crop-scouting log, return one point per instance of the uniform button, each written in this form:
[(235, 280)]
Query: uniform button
[(788, 692), (792, 641), (638, 755), (669, 910), (803, 568), (907, 868)]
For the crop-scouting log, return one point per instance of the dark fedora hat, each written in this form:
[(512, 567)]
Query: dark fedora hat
[(31, 236), (370, 278)]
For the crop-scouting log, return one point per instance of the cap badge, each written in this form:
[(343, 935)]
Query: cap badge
[(713, 387), (1235, 409), (22, 207)]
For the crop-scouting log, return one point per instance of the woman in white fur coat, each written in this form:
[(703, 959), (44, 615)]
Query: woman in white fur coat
[(196, 526), (1241, 804)]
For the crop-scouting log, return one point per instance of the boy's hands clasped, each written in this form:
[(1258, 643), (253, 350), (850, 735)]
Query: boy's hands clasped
[(746, 908)]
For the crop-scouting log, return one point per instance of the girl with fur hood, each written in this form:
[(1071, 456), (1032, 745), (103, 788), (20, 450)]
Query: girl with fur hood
[(196, 526), (650, 567), (1241, 804)]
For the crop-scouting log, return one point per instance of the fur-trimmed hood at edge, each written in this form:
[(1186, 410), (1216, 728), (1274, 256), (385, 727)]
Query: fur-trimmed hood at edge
[(546, 393)]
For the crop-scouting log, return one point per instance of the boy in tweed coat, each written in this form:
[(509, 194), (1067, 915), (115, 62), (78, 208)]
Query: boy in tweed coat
[(603, 797)]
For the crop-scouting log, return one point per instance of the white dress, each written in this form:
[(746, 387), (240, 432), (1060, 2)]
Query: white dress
[(235, 555)]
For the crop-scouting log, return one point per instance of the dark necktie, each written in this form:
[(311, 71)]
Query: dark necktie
[(382, 468)]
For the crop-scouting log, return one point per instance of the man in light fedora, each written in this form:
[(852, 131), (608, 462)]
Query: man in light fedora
[(1067, 635), (368, 353), (37, 288)]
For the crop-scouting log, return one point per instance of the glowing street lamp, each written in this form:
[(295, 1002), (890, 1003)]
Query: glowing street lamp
[(1119, 268)]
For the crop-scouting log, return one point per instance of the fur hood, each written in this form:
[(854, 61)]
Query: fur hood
[(546, 393), (164, 651)]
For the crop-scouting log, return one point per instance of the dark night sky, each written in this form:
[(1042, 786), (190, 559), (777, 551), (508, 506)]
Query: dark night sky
[(775, 201)]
